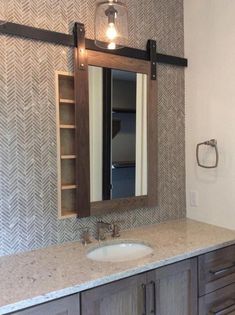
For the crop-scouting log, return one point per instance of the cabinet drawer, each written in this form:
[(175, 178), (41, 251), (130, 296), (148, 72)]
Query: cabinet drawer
[(216, 269), (220, 302)]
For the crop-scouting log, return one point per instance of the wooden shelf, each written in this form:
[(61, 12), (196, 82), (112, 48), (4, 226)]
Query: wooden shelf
[(66, 101), (67, 126), (67, 187), (68, 157), (65, 214)]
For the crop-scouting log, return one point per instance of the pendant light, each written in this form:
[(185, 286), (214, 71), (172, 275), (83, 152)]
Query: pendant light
[(111, 24)]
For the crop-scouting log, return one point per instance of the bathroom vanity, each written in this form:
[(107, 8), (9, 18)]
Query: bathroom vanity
[(190, 271)]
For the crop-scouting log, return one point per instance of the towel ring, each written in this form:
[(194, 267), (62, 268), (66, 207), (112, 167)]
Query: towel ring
[(212, 143)]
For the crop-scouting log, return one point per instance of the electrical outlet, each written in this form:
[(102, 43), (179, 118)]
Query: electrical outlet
[(193, 195)]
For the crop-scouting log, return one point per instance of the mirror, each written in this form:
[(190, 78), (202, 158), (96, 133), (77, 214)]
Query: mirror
[(118, 133)]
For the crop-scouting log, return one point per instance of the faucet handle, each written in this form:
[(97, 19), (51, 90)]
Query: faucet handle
[(116, 228), (86, 238), (102, 228), (104, 225)]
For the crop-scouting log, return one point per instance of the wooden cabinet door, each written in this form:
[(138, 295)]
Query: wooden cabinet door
[(123, 297), (64, 306), (172, 290)]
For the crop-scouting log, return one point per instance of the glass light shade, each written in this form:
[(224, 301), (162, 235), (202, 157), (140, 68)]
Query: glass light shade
[(111, 24)]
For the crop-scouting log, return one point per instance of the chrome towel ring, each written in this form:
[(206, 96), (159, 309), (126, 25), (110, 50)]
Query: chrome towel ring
[(212, 143)]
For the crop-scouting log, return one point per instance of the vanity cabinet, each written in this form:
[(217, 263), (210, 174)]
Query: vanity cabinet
[(204, 285), (123, 297), (170, 290), (68, 305)]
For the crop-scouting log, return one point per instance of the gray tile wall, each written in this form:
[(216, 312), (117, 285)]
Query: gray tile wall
[(28, 172)]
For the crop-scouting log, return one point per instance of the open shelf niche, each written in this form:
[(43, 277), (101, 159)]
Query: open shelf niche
[(66, 153)]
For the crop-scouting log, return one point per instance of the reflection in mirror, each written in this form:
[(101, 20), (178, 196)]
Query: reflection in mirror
[(118, 133)]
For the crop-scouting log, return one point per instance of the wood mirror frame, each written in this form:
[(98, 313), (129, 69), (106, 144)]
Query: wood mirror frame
[(101, 59)]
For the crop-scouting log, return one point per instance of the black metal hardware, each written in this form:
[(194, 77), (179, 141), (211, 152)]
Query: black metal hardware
[(139, 54), (145, 298), (29, 32), (43, 35), (222, 270), (172, 60), (152, 48), (125, 51), (227, 308), (153, 310)]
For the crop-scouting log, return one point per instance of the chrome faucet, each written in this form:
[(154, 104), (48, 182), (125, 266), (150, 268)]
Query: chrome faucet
[(86, 238), (116, 230), (102, 228)]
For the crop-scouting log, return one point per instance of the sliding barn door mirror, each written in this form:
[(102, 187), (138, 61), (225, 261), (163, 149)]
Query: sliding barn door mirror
[(116, 126), (122, 143)]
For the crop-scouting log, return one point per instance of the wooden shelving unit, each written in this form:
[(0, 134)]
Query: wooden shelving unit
[(66, 101), (66, 187), (67, 126), (68, 157), (66, 145)]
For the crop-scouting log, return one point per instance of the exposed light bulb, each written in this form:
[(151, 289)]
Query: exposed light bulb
[(109, 15), (111, 32), (111, 45)]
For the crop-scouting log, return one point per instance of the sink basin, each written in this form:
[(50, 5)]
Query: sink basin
[(118, 252)]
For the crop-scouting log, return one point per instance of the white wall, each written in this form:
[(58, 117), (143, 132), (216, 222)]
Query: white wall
[(210, 106), (96, 131)]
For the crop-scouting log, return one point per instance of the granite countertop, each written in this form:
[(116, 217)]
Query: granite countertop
[(41, 275)]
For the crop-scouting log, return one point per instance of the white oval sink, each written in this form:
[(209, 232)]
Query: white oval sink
[(118, 252)]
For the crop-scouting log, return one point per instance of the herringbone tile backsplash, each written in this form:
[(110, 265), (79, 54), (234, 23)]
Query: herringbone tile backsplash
[(28, 170)]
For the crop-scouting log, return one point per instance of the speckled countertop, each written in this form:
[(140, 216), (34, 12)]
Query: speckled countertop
[(38, 276)]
